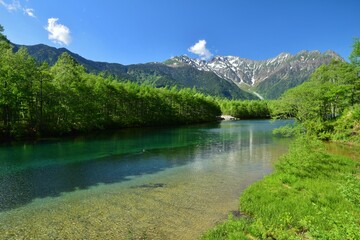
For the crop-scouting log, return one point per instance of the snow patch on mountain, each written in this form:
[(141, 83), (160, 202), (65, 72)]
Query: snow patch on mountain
[(252, 72)]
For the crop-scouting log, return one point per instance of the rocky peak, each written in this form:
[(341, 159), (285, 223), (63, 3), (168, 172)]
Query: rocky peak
[(252, 72), (333, 54)]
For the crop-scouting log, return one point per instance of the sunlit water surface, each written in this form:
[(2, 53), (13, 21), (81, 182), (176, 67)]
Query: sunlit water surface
[(162, 183)]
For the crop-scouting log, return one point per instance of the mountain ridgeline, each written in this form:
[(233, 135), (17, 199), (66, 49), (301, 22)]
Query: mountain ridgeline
[(270, 78), (153, 74), (224, 76)]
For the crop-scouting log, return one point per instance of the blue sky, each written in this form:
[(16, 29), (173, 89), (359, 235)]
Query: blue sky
[(139, 31)]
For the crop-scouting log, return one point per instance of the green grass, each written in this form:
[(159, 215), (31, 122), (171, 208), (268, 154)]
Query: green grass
[(311, 195)]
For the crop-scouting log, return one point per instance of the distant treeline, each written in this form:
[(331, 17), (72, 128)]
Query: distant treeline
[(245, 109)]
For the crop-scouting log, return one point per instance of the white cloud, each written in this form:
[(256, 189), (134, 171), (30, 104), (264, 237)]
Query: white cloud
[(13, 6), (200, 49), (29, 12), (58, 33)]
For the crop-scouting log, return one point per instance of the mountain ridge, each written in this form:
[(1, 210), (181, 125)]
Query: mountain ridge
[(270, 77), (154, 74), (254, 72), (223, 76)]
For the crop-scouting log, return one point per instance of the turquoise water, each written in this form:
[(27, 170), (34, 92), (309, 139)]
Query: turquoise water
[(155, 183)]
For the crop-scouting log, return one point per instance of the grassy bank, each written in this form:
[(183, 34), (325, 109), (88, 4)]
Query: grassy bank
[(311, 195)]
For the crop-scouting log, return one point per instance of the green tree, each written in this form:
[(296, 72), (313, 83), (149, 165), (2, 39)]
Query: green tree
[(18, 73), (355, 53), (73, 95), (4, 42), (319, 102)]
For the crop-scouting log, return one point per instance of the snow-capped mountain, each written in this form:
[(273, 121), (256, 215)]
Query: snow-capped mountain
[(255, 73)]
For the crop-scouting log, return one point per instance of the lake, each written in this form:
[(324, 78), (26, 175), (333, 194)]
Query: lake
[(152, 183)]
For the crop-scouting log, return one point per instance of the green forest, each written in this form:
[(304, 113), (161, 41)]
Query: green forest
[(37, 100)]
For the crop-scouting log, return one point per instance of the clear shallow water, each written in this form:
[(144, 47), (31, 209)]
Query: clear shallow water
[(170, 183)]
